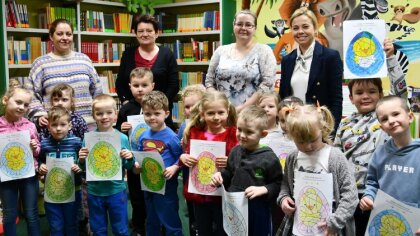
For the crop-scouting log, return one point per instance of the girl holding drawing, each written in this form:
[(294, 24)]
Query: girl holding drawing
[(310, 128), (16, 103), (212, 119)]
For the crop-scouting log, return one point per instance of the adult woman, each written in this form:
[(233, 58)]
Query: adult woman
[(243, 69), (312, 72), (158, 59), (163, 65), (62, 65)]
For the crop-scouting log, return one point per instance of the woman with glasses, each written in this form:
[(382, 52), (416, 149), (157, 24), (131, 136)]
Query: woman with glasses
[(162, 63), (312, 72), (160, 60), (244, 69)]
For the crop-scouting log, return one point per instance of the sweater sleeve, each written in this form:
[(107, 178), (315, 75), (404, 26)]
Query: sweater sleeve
[(173, 81), (267, 63), (396, 77), (274, 178), (372, 183), (34, 84), (348, 200), (121, 84), (288, 178), (95, 87), (211, 72), (335, 80)]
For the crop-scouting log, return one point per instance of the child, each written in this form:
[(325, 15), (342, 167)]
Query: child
[(161, 209), (108, 199), (359, 134), (394, 165), (212, 119), (141, 83), (63, 95), (191, 95), (253, 169), (276, 138), (16, 103), (62, 217), (310, 127)]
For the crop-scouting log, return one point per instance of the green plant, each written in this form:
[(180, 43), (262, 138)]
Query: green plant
[(145, 6)]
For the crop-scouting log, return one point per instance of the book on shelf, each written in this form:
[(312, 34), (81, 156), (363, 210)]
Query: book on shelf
[(104, 52), (97, 21), (48, 14), (16, 14), (190, 78), (110, 81), (178, 112), (205, 21), (26, 51), (192, 51)]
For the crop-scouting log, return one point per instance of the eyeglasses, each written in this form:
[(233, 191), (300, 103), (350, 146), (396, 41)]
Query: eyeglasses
[(245, 25), (145, 32)]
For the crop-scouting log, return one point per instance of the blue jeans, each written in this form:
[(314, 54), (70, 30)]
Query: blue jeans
[(114, 207), (10, 191), (62, 217)]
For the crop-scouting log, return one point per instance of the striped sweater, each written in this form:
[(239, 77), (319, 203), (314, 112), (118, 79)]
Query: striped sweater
[(75, 69)]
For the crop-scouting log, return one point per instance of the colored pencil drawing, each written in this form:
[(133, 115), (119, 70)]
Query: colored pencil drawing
[(16, 160), (203, 171), (103, 160), (59, 185), (152, 174), (389, 222)]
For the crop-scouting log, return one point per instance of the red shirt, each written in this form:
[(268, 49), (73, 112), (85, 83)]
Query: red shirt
[(139, 61), (229, 136)]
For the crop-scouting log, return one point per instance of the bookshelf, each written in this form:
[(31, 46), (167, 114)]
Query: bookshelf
[(189, 28)]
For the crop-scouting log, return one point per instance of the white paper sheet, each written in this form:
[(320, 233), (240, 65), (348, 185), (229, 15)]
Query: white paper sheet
[(364, 56), (16, 160), (104, 161), (313, 194), (392, 217), (152, 167), (235, 213), (199, 180), (59, 183), (138, 126)]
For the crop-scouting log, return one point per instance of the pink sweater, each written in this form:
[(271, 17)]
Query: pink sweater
[(22, 124)]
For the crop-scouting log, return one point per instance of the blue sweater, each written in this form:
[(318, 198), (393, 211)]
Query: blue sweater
[(65, 148), (396, 172)]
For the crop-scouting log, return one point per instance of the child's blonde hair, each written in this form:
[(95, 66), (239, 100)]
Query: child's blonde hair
[(141, 72), (395, 99), (200, 108), (9, 93), (155, 100), (273, 95), (304, 122), (58, 112), (255, 115), (195, 89), (290, 101), (57, 91), (102, 99)]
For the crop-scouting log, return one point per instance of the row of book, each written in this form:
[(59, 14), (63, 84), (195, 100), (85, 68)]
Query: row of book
[(108, 78), (178, 112), (193, 51), (16, 14), (26, 51), (48, 14), (190, 78), (103, 22), (104, 52), (205, 21)]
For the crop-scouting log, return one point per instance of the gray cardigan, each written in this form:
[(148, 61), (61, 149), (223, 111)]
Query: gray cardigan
[(345, 193)]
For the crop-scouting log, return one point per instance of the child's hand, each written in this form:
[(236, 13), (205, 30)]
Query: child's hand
[(43, 169), (126, 154), (170, 171), (43, 121), (33, 144), (125, 127), (328, 232), (75, 168), (217, 179), (388, 48), (83, 153), (136, 168), (254, 191), (188, 160), (288, 206), (366, 204), (221, 162), (418, 232)]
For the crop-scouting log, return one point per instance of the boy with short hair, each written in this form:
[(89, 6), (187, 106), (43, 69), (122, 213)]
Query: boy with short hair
[(141, 83), (253, 169), (108, 199), (161, 209), (359, 134), (62, 217), (397, 161)]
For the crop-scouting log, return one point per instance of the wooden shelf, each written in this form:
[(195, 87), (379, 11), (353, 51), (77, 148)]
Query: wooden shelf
[(212, 32), (110, 34), (27, 30), (19, 66), (106, 64), (189, 3), (105, 3), (194, 63)]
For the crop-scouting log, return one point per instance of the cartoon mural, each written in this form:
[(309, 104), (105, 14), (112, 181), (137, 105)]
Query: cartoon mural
[(402, 19)]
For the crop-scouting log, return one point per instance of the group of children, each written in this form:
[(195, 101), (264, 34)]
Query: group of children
[(372, 150)]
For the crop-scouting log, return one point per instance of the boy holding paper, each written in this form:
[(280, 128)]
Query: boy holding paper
[(108, 198), (141, 83), (161, 209), (62, 217)]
